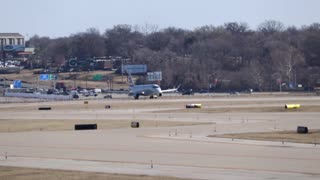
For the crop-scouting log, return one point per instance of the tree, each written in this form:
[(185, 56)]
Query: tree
[(157, 41), (256, 75), (271, 27), (87, 44), (235, 27), (311, 45)]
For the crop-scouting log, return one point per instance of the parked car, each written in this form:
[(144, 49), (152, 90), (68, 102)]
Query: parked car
[(188, 92), (108, 97), (204, 91)]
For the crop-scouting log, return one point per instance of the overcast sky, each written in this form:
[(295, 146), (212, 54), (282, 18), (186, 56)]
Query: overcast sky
[(56, 18)]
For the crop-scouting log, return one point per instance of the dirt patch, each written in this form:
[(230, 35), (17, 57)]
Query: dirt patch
[(282, 136), (15, 173), (65, 125)]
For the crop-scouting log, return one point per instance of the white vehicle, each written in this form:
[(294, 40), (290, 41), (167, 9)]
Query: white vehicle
[(97, 90), (151, 90), (87, 93)]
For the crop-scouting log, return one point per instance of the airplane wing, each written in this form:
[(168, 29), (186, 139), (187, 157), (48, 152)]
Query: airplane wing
[(170, 90)]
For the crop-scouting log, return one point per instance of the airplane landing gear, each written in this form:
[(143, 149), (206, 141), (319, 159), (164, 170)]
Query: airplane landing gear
[(153, 97), (136, 96)]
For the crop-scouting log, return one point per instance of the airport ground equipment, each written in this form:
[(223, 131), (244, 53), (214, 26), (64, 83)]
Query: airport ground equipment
[(107, 106), (85, 126), (135, 124), (302, 130), (193, 105), (44, 108), (292, 106)]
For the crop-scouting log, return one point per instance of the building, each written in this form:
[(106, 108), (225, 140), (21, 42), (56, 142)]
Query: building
[(11, 45), (11, 39)]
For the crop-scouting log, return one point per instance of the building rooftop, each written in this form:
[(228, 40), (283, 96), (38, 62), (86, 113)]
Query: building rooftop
[(10, 34)]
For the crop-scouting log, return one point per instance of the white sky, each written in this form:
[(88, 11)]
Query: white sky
[(56, 18)]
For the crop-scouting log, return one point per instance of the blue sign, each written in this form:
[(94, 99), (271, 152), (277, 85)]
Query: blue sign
[(44, 77), (17, 84)]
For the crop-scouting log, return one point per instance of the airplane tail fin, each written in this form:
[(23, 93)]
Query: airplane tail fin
[(178, 87)]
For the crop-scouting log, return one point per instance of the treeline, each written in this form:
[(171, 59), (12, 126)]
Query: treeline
[(227, 57)]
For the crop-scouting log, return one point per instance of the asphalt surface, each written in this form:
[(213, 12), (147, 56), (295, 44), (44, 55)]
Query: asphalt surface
[(183, 151)]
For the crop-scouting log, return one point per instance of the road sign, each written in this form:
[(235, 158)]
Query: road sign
[(97, 77), (46, 77), (155, 76), (134, 69), (17, 84)]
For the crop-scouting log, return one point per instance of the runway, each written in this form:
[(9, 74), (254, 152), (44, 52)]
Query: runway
[(181, 151)]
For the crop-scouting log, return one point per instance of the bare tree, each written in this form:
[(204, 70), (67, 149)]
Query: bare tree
[(146, 29), (271, 26), (256, 74), (235, 27), (288, 65)]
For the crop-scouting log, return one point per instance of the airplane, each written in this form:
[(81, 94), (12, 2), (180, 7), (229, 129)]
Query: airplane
[(151, 90)]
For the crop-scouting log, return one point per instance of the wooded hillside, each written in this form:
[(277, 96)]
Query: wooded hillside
[(228, 57)]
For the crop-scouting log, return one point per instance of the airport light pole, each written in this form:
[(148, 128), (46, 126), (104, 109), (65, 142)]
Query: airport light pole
[(122, 69), (87, 79)]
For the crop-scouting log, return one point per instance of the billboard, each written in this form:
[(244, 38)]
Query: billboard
[(14, 48), (134, 69), (155, 76)]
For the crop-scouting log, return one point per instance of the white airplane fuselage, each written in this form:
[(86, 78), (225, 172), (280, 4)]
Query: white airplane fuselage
[(151, 90)]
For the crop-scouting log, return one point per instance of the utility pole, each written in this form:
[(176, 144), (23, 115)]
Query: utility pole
[(295, 79), (280, 84), (122, 69), (87, 79), (4, 83)]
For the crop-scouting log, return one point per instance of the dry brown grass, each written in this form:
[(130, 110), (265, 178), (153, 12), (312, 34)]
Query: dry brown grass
[(92, 105), (17, 173), (242, 109), (282, 136), (65, 125)]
